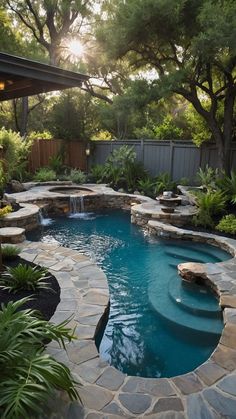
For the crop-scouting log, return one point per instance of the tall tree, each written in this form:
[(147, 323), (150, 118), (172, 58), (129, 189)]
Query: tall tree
[(191, 44), (53, 24)]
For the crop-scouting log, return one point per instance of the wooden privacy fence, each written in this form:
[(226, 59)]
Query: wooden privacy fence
[(179, 158), (42, 150)]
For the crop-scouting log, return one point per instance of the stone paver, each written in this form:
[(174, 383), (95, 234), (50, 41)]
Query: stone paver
[(111, 379), (135, 403), (168, 403)]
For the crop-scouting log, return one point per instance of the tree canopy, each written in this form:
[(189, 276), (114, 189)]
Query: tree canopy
[(191, 44)]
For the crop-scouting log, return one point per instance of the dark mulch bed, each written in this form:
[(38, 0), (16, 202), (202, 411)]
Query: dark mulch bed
[(43, 300)]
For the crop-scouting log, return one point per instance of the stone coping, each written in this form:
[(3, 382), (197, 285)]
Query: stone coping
[(26, 211), (12, 234), (207, 392), (37, 193)]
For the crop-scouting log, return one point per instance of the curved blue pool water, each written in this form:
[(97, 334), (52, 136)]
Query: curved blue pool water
[(157, 326)]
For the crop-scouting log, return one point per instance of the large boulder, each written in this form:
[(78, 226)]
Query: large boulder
[(17, 186)]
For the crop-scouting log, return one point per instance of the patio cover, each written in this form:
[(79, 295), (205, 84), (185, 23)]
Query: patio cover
[(21, 77)]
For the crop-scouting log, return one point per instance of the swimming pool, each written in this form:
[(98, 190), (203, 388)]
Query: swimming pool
[(157, 327)]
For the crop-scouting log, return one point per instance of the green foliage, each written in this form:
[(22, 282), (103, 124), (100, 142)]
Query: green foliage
[(10, 252), (36, 135), (28, 375), (184, 181), (73, 116), (44, 174), (102, 135), (168, 130), (227, 184), (12, 146), (207, 178), (210, 204), (227, 224), (98, 173), (163, 183), (190, 46), (146, 186), (122, 170), (56, 164), (5, 210), (24, 277), (133, 173), (77, 176), (121, 156)]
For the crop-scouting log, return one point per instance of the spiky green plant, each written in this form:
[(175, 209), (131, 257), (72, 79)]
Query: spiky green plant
[(164, 183), (10, 252), (24, 277), (146, 186), (209, 204), (207, 178), (29, 376)]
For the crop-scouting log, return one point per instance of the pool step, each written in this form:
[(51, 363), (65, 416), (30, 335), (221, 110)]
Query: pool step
[(199, 255), (183, 258), (175, 315), (193, 298)]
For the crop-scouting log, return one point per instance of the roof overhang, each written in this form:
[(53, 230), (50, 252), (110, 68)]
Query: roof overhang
[(21, 77)]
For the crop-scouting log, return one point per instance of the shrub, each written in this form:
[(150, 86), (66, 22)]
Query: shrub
[(164, 183), (10, 252), (24, 277), (227, 224), (77, 176), (98, 173), (209, 204), (146, 186), (28, 375), (36, 135), (168, 130), (133, 172), (56, 164), (44, 174), (228, 185), (12, 148), (5, 210), (207, 178)]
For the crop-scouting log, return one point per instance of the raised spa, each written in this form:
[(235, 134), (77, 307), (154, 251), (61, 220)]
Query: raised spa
[(71, 190), (157, 326)]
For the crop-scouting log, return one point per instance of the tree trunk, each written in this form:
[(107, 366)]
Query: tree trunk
[(24, 116)]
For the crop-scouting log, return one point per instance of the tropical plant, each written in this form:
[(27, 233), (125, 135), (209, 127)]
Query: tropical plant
[(56, 164), (24, 277), (10, 252), (77, 176), (207, 178), (228, 185), (28, 375), (122, 156), (44, 174), (98, 173), (133, 172), (146, 186), (5, 210), (227, 224), (209, 204), (163, 183), (114, 175)]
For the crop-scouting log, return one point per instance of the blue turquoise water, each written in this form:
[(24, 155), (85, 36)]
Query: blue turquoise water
[(157, 326)]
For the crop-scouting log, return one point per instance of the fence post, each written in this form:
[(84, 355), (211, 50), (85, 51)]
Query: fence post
[(142, 150), (171, 158)]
